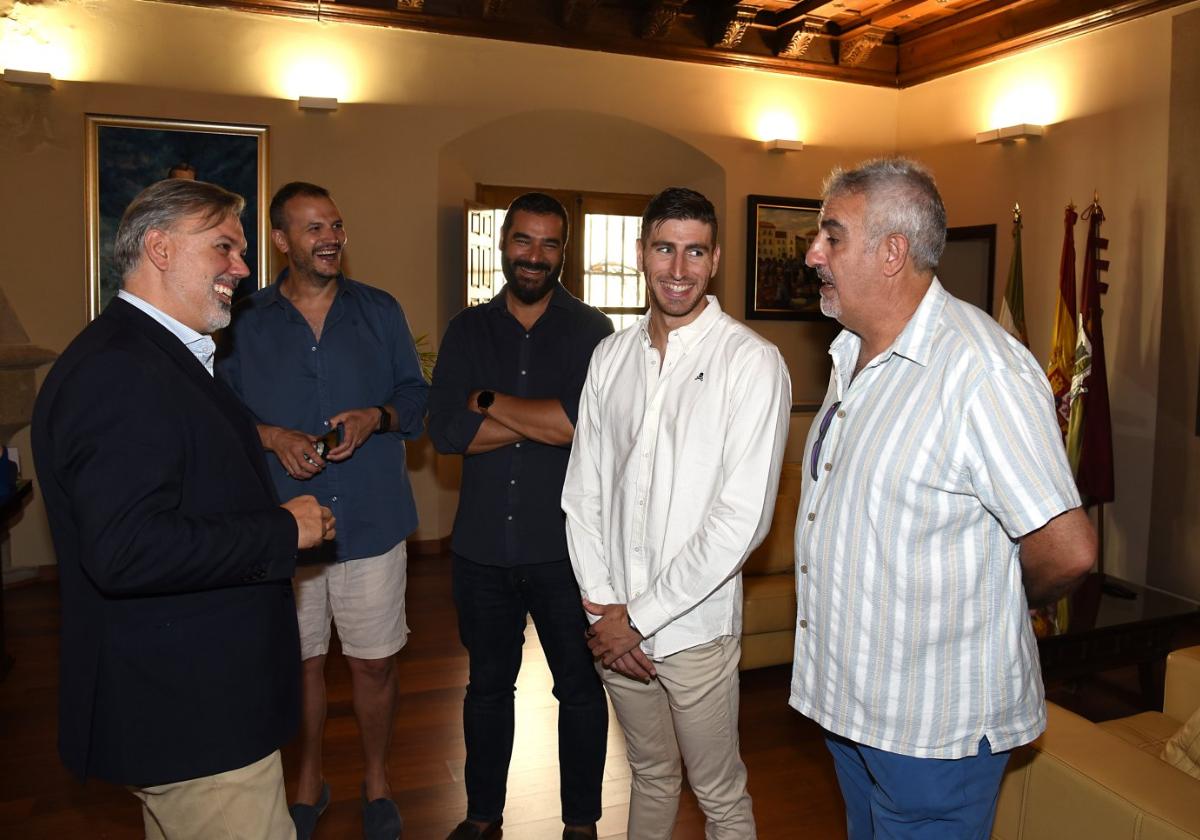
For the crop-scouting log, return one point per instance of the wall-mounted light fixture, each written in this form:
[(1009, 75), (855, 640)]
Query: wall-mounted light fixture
[(28, 77), (1010, 133), (318, 103), (779, 145)]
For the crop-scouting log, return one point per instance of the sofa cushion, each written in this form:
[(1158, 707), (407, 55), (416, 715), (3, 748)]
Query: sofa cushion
[(1147, 731), (778, 550), (1183, 749), (768, 603)]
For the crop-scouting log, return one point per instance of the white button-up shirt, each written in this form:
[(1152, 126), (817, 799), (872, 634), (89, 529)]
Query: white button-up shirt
[(673, 474), (912, 630)]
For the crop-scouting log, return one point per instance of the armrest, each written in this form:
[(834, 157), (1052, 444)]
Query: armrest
[(1181, 695)]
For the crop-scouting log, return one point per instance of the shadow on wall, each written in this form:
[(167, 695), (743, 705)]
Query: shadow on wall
[(567, 150)]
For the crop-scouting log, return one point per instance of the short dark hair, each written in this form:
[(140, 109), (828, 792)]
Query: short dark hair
[(903, 198), (286, 193), (681, 204), (160, 207), (539, 204)]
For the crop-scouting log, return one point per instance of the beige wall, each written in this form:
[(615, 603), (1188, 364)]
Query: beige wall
[(427, 116), (1174, 524), (1107, 97)]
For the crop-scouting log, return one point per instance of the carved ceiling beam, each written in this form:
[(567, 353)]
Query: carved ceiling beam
[(795, 41), (857, 45), (735, 21), (660, 17), (578, 13), (410, 5)]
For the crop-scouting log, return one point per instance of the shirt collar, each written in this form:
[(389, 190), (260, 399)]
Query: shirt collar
[(915, 341), (277, 297), (689, 335), (198, 344)]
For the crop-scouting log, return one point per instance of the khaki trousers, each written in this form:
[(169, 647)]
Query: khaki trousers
[(244, 804), (691, 709)]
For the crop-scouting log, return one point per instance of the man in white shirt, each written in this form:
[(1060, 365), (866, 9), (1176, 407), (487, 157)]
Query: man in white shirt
[(937, 505), (670, 486)]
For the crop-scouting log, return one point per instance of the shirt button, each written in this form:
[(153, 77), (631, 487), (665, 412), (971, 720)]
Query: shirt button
[(812, 517), (641, 501), (333, 499), (517, 445), (510, 517), (828, 467), (527, 335), (803, 569), (512, 481), (314, 348), (522, 373), (326, 422), (803, 623), (637, 549), (841, 412)]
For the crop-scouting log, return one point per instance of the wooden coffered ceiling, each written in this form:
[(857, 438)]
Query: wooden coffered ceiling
[(894, 44)]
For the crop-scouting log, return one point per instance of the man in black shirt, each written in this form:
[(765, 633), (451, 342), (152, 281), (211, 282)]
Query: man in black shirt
[(505, 395)]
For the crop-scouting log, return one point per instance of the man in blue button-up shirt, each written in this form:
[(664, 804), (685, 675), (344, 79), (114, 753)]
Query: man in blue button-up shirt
[(314, 354)]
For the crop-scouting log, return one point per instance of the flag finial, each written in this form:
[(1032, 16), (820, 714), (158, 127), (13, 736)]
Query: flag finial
[(1017, 213)]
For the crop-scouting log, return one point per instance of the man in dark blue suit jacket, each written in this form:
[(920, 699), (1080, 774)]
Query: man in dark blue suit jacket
[(180, 658)]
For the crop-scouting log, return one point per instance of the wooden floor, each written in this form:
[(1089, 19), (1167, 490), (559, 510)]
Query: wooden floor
[(791, 776)]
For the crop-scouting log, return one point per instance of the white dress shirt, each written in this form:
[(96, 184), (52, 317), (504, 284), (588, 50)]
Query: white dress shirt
[(913, 634), (673, 475), (198, 344)]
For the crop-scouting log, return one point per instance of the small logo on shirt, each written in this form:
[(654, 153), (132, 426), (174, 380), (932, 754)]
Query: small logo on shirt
[(699, 377)]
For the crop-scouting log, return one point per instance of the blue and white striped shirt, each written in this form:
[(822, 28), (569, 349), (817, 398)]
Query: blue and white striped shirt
[(913, 634)]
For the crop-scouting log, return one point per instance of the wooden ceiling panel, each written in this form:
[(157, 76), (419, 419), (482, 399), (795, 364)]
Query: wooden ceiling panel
[(893, 43)]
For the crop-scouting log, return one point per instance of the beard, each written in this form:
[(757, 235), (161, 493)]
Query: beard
[(831, 307), (528, 291)]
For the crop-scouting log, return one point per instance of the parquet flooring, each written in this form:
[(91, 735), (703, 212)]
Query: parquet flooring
[(791, 776)]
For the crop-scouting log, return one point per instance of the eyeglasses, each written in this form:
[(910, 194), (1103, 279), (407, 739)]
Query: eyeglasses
[(816, 450)]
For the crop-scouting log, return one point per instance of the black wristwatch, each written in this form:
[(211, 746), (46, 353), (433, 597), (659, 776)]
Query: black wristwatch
[(385, 419), (485, 400)]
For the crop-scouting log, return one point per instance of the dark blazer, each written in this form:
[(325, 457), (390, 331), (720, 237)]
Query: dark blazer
[(180, 653)]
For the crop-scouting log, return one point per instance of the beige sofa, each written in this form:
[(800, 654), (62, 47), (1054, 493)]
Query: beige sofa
[(769, 583), (1106, 781)]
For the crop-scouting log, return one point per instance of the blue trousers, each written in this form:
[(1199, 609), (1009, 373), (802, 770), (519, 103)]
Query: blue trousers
[(897, 797), (493, 603)]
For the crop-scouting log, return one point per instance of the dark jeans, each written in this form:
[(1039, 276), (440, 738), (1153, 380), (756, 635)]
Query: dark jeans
[(492, 603)]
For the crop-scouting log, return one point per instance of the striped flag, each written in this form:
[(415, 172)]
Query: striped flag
[(1089, 434), (1012, 308), (1062, 346)]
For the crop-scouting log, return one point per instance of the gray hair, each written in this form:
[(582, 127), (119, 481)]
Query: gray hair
[(901, 198), (160, 207)]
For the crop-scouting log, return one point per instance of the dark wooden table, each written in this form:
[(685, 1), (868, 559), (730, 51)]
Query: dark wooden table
[(1106, 631), (9, 506)]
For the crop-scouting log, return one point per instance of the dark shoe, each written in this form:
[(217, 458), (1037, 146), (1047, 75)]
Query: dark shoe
[(467, 830), (305, 816), (579, 832), (381, 819)]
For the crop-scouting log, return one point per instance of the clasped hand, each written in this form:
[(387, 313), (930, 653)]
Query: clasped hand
[(615, 642)]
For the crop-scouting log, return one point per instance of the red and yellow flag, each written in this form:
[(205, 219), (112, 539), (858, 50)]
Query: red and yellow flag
[(1062, 347)]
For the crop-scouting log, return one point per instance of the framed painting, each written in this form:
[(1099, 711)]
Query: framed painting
[(968, 266), (778, 284), (127, 154)]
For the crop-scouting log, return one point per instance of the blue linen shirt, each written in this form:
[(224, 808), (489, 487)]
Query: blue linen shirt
[(365, 357), (509, 511)]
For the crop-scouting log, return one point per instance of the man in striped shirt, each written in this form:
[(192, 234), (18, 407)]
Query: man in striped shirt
[(937, 506)]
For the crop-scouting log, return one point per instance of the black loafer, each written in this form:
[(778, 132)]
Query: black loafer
[(305, 816), (381, 819), (467, 830)]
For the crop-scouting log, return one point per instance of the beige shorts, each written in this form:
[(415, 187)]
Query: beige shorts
[(366, 599)]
